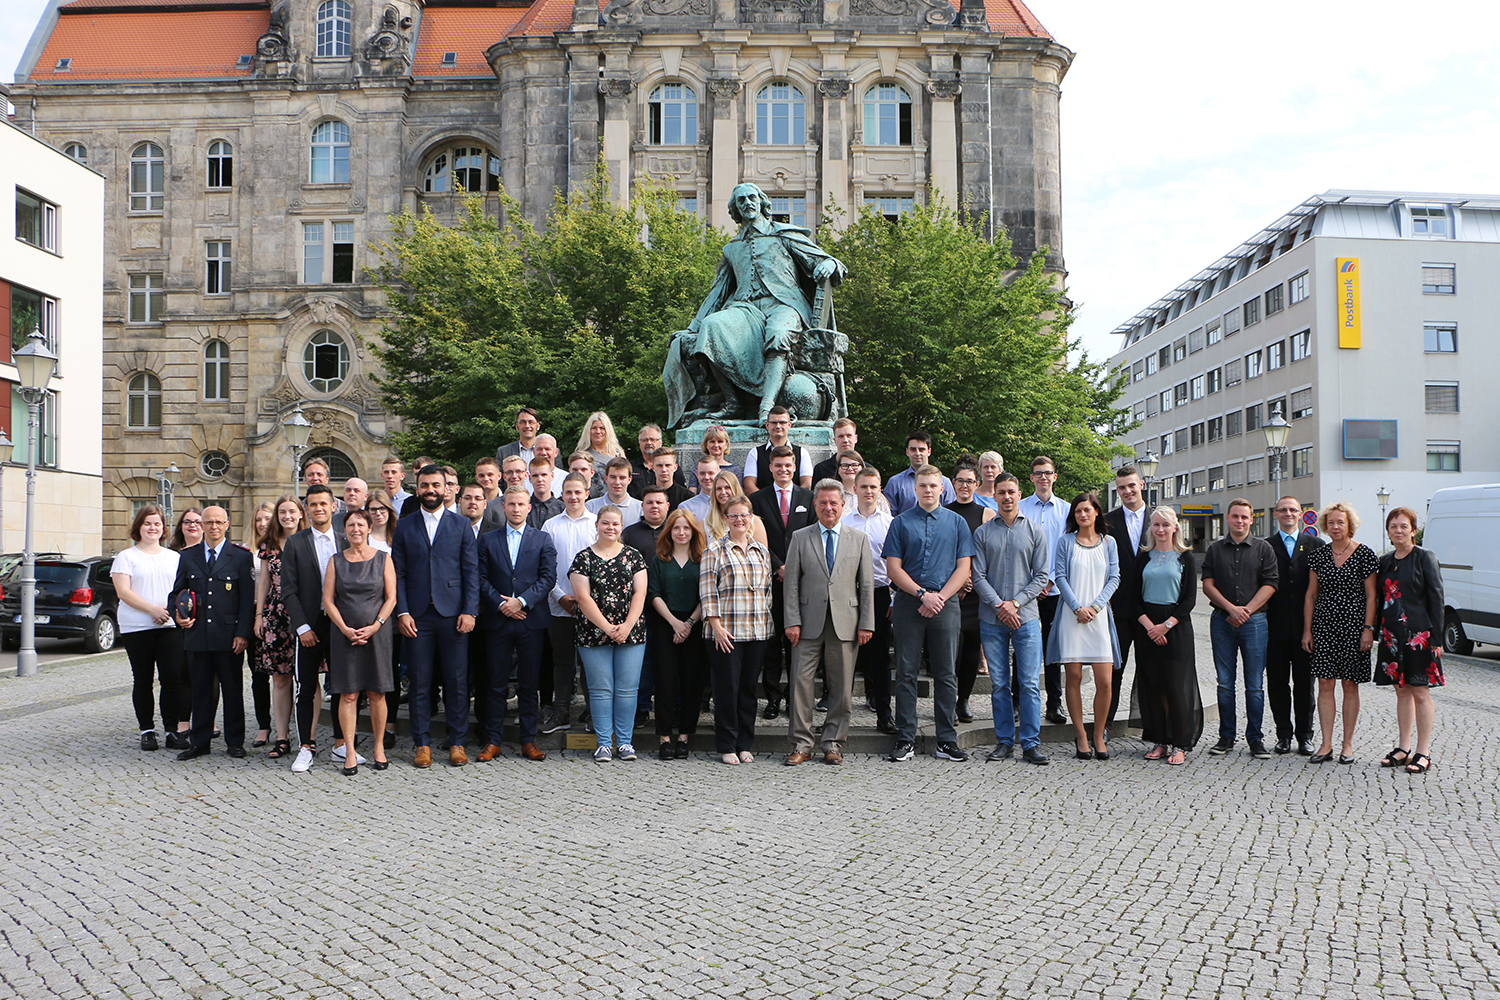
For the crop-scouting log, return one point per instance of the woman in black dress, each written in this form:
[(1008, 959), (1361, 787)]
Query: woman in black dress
[(1166, 676), (1340, 629), (678, 656), (359, 594), (1409, 623)]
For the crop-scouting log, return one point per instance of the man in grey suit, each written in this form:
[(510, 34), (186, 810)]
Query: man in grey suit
[(830, 613)]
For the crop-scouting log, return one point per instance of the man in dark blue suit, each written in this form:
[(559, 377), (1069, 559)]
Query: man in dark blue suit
[(437, 596), (517, 568), (221, 577)]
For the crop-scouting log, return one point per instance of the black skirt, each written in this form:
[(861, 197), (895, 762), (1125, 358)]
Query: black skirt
[(1165, 692)]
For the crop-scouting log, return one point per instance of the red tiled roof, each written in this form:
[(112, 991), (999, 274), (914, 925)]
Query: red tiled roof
[(151, 45), (78, 6), (1011, 17), (467, 31), (545, 17)]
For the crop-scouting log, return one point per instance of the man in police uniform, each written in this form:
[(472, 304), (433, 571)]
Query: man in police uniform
[(221, 577)]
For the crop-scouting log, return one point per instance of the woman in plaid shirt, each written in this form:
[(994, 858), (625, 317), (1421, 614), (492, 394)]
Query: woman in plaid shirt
[(734, 584)]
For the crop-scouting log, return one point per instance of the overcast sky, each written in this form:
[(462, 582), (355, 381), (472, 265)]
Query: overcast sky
[(1188, 126)]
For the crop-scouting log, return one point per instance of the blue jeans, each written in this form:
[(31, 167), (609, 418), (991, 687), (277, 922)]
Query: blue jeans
[(614, 674), (1026, 640), (939, 634), (1249, 640)]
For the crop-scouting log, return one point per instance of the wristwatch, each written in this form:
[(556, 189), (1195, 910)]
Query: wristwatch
[(921, 592)]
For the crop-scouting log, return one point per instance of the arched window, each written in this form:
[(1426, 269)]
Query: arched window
[(475, 169), (672, 110), (77, 151), (334, 28), (143, 402), (325, 361), (216, 370), (780, 115), (330, 153), (147, 178), (340, 466), (887, 115), (220, 164)]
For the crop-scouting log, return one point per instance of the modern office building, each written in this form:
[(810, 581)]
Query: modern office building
[(51, 262), (256, 150), (1365, 320)]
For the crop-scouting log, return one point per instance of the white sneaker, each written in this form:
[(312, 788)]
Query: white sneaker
[(303, 762), (341, 752)]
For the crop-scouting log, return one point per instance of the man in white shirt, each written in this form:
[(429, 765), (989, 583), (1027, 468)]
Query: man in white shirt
[(392, 476), (699, 503), (1127, 525), (571, 532), (617, 479), (874, 663), (304, 565), (1051, 513), (758, 462), (546, 447)]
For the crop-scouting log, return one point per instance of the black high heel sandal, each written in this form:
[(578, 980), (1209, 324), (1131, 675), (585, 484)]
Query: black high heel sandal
[(1391, 760)]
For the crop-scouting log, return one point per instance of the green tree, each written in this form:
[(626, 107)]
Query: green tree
[(950, 334)]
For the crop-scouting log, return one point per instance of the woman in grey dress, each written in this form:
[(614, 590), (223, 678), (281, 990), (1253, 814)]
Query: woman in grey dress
[(359, 593)]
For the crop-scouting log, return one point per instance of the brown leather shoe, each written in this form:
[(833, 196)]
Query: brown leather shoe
[(530, 752), (456, 756), (833, 757), (489, 753), (797, 757), (423, 757)]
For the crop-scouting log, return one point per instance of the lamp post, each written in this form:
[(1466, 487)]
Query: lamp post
[(1382, 497), (166, 487), (34, 364), (6, 448), (1147, 468), (1276, 430), (298, 429)]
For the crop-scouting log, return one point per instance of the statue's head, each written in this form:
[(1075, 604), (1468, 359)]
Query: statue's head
[(750, 190)]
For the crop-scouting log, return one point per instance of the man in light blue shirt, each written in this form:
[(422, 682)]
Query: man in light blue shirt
[(1051, 513), (901, 489)]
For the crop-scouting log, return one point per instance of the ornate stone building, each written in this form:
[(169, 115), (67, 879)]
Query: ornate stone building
[(255, 151)]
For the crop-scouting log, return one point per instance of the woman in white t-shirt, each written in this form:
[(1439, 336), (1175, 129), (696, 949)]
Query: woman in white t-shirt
[(143, 575)]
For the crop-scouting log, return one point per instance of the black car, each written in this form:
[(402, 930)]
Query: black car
[(75, 599)]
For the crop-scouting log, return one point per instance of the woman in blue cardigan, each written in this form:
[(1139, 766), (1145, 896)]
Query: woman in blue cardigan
[(1086, 570)]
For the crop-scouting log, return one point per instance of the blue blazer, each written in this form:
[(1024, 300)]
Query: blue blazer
[(530, 579), (1061, 559), (223, 614), (443, 574)]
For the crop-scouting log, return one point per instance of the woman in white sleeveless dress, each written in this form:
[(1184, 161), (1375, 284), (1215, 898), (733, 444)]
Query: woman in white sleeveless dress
[(1086, 570)]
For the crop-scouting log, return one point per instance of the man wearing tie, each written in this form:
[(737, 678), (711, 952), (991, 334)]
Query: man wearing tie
[(517, 568), (1127, 525), (830, 613), (1289, 686), (437, 598), (483, 519), (784, 508), (304, 565), (218, 633)]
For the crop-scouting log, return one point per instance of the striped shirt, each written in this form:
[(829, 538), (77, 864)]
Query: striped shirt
[(734, 585)]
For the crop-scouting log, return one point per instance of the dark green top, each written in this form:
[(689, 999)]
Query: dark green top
[(677, 585)]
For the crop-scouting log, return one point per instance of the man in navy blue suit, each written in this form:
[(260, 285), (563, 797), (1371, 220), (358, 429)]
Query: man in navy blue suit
[(517, 568), (437, 597)]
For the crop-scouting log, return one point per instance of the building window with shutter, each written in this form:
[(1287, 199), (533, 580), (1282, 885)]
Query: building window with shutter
[(1440, 338), (1234, 475), (1213, 332), (1200, 481), (1195, 341), (1231, 322), (1302, 462), (1255, 471), (1443, 456), (1442, 397), (1232, 371), (1233, 422), (1216, 478), (1437, 279), (1302, 403)]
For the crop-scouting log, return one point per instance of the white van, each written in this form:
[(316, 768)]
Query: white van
[(1463, 531)]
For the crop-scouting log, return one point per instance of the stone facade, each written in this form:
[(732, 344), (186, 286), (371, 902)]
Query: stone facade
[(430, 96)]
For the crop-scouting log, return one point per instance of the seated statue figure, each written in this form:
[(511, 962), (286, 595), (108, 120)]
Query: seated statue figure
[(734, 359)]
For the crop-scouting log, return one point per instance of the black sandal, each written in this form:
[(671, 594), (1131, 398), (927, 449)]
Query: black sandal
[(281, 749), (1391, 760), (1419, 764)]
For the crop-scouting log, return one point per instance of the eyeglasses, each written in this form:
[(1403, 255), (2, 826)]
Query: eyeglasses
[(850, 466), (217, 524), (1044, 475), (740, 517), (192, 522), (965, 482), (380, 511)]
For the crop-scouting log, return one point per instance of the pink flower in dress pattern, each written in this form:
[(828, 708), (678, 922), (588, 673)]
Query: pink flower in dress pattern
[(1419, 640), (1392, 592)]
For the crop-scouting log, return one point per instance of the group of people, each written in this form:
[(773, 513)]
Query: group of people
[(780, 579)]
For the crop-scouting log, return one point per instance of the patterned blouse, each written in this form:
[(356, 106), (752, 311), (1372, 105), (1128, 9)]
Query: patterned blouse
[(734, 584), (611, 585)]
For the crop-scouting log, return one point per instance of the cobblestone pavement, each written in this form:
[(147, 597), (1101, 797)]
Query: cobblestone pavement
[(127, 874)]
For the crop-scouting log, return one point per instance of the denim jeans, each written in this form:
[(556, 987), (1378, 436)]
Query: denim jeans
[(1026, 640), (939, 634), (1249, 640), (614, 674)]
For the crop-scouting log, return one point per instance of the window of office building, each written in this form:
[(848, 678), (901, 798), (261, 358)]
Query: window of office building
[(1180, 439), (1151, 364), (1164, 357), (1296, 288), (329, 152), (1213, 332), (1138, 411), (1198, 387), (1180, 394), (893, 207), (1196, 434), (217, 261), (1301, 344), (888, 120), (1234, 475), (1233, 423), (1215, 478), (1166, 444), (36, 221), (1276, 408), (147, 178), (1200, 481), (1251, 312), (1166, 400), (1252, 365), (327, 253), (780, 115), (216, 370), (672, 115), (1443, 456), (1442, 397), (143, 402), (220, 164), (1232, 370), (1274, 300), (1438, 279), (1275, 355), (1429, 220), (1153, 407), (147, 297), (1179, 350), (790, 210), (1215, 380), (1252, 418), (1440, 338), (1215, 429), (1255, 471), (1302, 403), (1302, 462), (1231, 322), (1181, 485), (1138, 371), (1195, 341)]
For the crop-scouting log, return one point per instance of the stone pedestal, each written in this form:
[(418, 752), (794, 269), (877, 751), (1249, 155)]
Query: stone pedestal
[(814, 436)]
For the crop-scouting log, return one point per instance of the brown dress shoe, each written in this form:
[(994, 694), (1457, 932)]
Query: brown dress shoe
[(423, 757), (833, 757), (456, 756), (489, 753), (797, 757), (530, 752)]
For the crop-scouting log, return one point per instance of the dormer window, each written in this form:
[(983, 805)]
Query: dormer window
[(334, 28), (450, 58)]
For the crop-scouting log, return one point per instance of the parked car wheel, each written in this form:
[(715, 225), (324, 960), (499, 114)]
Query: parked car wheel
[(1454, 640), (101, 638)]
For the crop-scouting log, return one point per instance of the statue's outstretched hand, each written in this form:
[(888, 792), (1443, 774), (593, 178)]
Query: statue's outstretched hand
[(825, 270)]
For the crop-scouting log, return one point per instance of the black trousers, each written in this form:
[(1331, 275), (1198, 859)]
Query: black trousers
[(479, 667), (969, 649), (874, 663), (260, 693), (1126, 632), (1289, 688), (680, 673), (208, 673), (310, 660), (777, 653), (157, 653), (734, 675), (513, 642), (564, 663)]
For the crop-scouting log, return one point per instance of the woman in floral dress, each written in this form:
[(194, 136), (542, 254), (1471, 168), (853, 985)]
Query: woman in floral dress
[(1409, 627), (275, 647)]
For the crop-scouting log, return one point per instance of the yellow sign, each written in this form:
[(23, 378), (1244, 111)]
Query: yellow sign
[(1348, 279)]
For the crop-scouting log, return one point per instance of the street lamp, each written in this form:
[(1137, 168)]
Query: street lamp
[(1147, 468), (166, 486), (1382, 497), (298, 430), (34, 364), (1276, 430)]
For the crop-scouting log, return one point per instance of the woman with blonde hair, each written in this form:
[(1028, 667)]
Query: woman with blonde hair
[(716, 444), (1340, 623), (726, 488), (260, 684), (599, 441), (990, 466), (1166, 677), (275, 653)]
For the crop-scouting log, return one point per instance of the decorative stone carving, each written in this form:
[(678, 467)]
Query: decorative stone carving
[(356, 203), (323, 310), (273, 46), (724, 87), (835, 89), (938, 12), (782, 11), (616, 86), (882, 8), (944, 90), (631, 11), (281, 395), (384, 45)]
